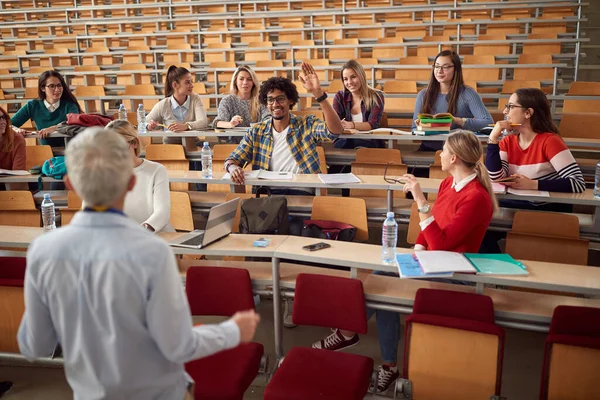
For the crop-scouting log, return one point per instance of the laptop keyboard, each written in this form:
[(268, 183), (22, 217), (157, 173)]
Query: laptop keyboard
[(195, 241)]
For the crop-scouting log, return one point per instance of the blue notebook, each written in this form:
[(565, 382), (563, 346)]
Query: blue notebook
[(409, 267), (496, 264)]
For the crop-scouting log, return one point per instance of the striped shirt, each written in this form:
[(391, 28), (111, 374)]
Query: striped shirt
[(304, 134), (547, 160)]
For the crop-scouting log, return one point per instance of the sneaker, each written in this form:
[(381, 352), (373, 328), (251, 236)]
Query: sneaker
[(5, 387), (336, 341), (288, 305), (386, 376)]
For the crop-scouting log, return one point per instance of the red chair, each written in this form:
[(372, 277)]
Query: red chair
[(222, 291), (307, 373), (12, 306), (453, 349), (572, 355)]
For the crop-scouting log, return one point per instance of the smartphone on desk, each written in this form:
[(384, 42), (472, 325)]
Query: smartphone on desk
[(316, 246)]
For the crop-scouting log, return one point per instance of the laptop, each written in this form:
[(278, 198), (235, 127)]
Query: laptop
[(218, 225)]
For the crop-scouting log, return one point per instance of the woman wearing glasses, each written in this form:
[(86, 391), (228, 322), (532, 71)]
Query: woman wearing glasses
[(54, 102), (358, 105), (447, 92)]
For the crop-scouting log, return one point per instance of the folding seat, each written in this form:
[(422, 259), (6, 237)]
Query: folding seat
[(12, 306)]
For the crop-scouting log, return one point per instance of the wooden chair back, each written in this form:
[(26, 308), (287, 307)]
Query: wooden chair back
[(172, 156), (534, 74), (17, 208), (36, 155), (141, 90), (301, 54), (255, 55), (344, 53), (181, 212), (273, 64), (241, 196), (218, 56), (400, 87), (578, 366), (581, 106), (420, 73), (546, 236), (585, 88), (378, 156), (90, 106), (351, 211), (491, 49), (413, 225), (578, 126), (220, 154)]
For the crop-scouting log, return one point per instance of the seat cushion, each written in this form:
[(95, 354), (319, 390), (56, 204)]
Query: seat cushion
[(227, 374), (320, 374)]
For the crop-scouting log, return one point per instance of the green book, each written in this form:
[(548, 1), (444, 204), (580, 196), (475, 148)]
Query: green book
[(496, 264)]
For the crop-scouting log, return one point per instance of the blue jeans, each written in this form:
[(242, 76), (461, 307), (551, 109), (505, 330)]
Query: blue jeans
[(388, 329)]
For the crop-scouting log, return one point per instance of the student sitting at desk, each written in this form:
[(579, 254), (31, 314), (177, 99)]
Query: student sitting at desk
[(54, 102), (149, 202), (359, 106), (181, 109), (12, 146), (241, 107), (285, 142), (447, 92), (457, 222), (533, 154)]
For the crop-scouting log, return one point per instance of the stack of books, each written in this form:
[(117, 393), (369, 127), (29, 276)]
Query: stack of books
[(434, 124)]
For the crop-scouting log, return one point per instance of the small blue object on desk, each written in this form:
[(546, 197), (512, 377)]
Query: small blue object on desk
[(262, 242)]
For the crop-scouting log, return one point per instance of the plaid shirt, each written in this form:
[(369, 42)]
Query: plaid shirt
[(305, 133), (342, 104)]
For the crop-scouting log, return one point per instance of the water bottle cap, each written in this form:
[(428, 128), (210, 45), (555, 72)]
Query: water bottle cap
[(390, 214), (141, 107), (46, 196), (206, 144)]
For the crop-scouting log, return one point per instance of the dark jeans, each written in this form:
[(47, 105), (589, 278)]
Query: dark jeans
[(354, 143), (197, 166)]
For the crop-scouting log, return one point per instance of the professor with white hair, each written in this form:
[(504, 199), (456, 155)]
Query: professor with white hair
[(109, 293)]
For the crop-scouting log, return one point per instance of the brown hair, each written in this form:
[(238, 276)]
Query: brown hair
[(127, 131), (174, 74), (433, 89), (370, 95), (8, 137), (541, 119), (465, 145), (66, 94)]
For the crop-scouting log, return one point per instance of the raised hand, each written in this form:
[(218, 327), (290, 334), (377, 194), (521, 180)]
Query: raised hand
[(310, 80)]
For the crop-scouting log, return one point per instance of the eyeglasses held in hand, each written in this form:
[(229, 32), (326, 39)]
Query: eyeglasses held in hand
[(53, 87), (444, 68), (278, 99), (387, 179)]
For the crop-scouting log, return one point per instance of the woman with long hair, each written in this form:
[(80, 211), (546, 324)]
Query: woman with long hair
[(149, 202), (241, 106), (181, 109), (447, 93), (533, 154), (55, 100), (358, 105), (12, 146), (457, 222)]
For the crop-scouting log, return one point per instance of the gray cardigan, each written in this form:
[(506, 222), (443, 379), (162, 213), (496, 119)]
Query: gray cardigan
[(231, 105)]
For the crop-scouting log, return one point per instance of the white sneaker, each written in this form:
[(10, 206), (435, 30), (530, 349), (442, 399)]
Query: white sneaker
[(288, 305)]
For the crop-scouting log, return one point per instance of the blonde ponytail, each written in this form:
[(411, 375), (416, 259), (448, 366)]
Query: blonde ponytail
[(485, 180)]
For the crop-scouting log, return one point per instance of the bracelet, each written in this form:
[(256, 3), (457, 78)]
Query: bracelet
[(353, 125), (322, 97)]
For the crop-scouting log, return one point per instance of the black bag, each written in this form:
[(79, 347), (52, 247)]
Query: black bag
[(265, 215), (332, 230)]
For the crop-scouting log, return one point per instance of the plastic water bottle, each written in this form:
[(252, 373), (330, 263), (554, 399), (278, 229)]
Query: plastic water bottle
[(141, 119), (206, 157), (122, 113), (389, 239), (597, 182), (48, 215)]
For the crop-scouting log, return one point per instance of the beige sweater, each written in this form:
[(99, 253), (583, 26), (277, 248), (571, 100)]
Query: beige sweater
[(196, 116)]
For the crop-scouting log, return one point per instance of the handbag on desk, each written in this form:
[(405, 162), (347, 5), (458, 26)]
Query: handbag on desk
[(331, 230)]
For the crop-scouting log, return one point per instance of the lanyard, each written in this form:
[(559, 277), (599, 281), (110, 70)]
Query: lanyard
[(104, 209)]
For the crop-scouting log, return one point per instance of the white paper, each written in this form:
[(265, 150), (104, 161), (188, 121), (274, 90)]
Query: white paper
[(333, 179), (524, 192), (16, 172), (269, 175), (498, 187), (435, 262)]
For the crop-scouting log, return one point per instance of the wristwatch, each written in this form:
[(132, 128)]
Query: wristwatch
[(322, 97), (425, 209), (189, 126)]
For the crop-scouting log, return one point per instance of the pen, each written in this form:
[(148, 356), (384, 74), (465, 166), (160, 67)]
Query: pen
[(510, 124)]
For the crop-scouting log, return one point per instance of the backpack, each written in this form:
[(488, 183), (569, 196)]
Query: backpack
[(55, 167), (332, 230), (264, 215)]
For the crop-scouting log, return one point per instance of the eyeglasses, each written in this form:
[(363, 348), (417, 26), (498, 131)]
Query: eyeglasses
[(443, 67), (2, 117), (53, 87), (387, 179), (510, 106), (278, 99)]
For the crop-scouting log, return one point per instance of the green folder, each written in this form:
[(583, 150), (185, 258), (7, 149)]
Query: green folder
[(496, 264)]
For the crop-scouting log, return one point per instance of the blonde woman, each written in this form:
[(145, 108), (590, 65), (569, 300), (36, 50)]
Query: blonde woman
[(149, 203), (241, 107), (358, 105)]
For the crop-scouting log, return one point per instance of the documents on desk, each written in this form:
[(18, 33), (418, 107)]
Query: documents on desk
[(380, 131), (498, 188), (525, 192), (16, 172), (338, 179), (436, 262), (269, 175)]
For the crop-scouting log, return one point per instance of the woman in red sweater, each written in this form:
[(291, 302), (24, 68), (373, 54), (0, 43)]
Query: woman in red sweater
[(458, 221), (12, 146)]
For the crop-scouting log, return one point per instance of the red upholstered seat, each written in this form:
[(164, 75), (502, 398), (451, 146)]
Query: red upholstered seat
[(226, 375), (222, 291), (12, 271), (320, 374)]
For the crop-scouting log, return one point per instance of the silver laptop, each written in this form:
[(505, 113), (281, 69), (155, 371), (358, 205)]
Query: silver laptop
[(218, 225)]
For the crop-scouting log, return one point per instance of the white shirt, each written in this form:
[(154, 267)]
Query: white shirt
[(357, 117), (180, 111), (109, 292), (458, 186), (52, 107), (281, 157), (150, 200)]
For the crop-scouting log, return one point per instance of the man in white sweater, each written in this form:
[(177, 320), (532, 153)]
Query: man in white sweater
[(109, 292)]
